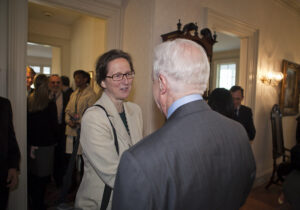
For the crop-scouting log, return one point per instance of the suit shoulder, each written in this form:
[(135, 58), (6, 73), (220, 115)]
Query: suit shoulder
[(246, 108), (4, 100), (5, 105)]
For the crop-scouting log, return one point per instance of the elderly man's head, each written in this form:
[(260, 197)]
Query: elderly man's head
[(54, 83), (180, 68)]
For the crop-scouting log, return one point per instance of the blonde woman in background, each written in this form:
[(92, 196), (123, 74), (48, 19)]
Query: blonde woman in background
[(42, 132)]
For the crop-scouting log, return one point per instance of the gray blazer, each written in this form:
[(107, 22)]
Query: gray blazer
[(198, 160)]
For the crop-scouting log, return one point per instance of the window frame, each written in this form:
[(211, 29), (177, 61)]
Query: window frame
[(224, 61)]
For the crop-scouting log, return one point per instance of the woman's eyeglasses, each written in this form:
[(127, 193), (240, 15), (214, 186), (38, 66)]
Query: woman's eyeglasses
[(120, 76)]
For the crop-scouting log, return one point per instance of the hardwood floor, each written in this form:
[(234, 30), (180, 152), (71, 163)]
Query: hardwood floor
[(262, 199), (259, 198)]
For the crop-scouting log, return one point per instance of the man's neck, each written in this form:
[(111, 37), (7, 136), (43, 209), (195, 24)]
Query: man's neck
[(64, 88), (82, 88)]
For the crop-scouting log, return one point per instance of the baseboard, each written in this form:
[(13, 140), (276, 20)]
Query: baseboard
[(263, 179)]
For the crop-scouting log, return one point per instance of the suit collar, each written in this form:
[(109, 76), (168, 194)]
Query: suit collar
[(189, 108)]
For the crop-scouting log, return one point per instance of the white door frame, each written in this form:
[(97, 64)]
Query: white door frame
[(248, 35)]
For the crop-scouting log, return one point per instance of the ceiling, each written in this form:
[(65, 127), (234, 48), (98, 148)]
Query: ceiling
[(38, 50), (52, 14), (226, 42), (294, 5)]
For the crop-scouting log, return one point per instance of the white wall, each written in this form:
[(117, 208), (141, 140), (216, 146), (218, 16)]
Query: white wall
[(88, 42), (138, 41), (56, 66)]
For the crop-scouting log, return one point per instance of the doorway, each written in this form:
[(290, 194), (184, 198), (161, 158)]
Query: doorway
[(225, 62), (74, 39), (248, 36)]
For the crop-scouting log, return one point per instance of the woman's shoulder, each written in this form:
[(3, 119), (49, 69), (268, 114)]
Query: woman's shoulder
[(94, 111), (132, 105), (132, 108)]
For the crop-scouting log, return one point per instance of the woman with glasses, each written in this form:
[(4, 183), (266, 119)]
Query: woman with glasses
[(108, 128)]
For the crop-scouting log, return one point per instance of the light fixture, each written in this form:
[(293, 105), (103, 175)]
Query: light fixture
[(272, 78), (48, 14)]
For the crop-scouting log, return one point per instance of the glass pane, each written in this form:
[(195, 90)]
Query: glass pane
[(47, 70), (36, 69), (227, 74)]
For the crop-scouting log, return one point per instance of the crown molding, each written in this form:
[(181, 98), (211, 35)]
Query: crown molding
[(292, 5)]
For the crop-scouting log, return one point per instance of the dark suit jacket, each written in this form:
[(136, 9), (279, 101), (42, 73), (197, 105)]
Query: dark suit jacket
[(68, 93), (245, 118), (42, 126), (198, 160), (9, 149)]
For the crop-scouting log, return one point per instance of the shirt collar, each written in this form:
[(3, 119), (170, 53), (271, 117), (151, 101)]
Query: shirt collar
[(184, 100)]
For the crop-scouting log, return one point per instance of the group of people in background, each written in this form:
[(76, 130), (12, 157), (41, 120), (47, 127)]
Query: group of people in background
[(200, 158), (53, 115)]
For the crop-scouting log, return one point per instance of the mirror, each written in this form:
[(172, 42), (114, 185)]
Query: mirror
[(289, 96)]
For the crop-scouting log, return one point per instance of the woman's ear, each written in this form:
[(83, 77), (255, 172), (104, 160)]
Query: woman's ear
[(103, 85)]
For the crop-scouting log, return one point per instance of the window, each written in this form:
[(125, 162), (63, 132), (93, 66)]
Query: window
[(41, 69), (36, 69), (46, 70), (226, 75)]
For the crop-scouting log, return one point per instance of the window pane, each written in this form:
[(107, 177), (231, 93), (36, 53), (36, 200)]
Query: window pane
[(227, 74), (47, 70), (36, 69)]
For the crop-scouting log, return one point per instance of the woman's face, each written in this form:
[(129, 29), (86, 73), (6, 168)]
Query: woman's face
[(117, 90)]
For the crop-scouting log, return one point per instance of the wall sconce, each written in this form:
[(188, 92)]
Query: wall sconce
[(272, 78)]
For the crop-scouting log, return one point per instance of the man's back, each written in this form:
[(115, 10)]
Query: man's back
[(245, 118), (197, 160)]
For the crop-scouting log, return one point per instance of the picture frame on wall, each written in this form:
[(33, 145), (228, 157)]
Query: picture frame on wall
[(289, 95)]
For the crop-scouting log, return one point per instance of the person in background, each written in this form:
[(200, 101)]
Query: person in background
[(82, 98), (199, 159), (9, 153), (220, 100), (42, 135), (115, 75), (243, 114), (61, 100), (66, 86), (29, 79)]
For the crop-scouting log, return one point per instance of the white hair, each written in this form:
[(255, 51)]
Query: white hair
[(184, 63)]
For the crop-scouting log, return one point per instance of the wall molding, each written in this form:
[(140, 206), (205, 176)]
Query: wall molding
[(16, 89)]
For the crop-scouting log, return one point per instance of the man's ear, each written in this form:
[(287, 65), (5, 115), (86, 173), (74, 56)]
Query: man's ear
[(163, 84)]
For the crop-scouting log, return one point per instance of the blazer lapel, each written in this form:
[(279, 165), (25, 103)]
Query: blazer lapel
[(131, 121), (115, 119)]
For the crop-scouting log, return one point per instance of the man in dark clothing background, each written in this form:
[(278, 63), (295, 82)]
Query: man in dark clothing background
[(243, 114), (9, 153)]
